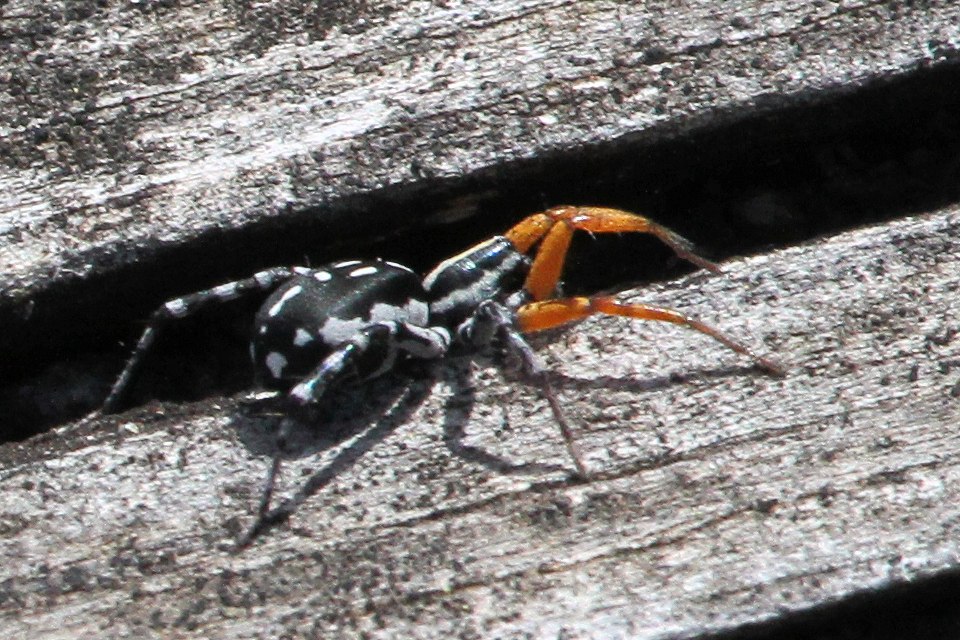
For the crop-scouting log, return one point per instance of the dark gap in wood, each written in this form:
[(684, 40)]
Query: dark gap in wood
[(832, 161), (920, 610)]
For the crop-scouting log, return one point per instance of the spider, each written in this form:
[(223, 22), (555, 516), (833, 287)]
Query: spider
[(354, 320)]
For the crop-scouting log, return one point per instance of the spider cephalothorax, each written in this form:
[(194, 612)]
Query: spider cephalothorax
[(353, 320)]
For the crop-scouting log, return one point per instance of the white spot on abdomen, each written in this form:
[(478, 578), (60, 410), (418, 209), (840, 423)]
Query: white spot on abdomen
[(302, 337), (336, 330), (397, 265), (275, 363), (322, 276), (362, 271), (278, 306)]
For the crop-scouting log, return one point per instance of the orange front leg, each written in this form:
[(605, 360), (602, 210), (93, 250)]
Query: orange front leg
[(529, 231), (554, 228), (605, 220), (547, 314)]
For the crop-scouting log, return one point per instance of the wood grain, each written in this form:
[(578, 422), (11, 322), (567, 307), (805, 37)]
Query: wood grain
[(132, 127), (719, 496), (444, 508)]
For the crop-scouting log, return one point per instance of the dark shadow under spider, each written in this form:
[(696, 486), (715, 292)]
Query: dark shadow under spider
[(398, 397), (391, 400), (396, 403)]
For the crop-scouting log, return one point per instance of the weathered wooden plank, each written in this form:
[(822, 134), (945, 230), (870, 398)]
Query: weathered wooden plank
[(132, 126), (720, 496)]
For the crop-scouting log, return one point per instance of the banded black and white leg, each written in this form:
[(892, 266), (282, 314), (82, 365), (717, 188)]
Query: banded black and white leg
[(185, 306)]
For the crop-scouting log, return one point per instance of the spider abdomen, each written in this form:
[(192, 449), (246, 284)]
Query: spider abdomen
[(313, 313)]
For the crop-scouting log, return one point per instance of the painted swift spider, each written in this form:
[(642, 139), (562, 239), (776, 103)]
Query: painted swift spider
[(353, 321)]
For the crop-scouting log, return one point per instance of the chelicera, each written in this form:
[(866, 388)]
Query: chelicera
[(353, 321)]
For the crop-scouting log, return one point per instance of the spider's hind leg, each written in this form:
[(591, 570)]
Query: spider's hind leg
[(183, 307)]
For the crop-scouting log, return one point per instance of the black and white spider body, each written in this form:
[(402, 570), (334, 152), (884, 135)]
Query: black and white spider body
[(357, 318), (371, 307), (353, 320)]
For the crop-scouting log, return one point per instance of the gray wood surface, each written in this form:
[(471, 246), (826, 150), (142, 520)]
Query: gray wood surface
[(132, 127), (718, 495)]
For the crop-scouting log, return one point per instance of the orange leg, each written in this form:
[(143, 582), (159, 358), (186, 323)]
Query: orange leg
[(554, 229), (547, 314)]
